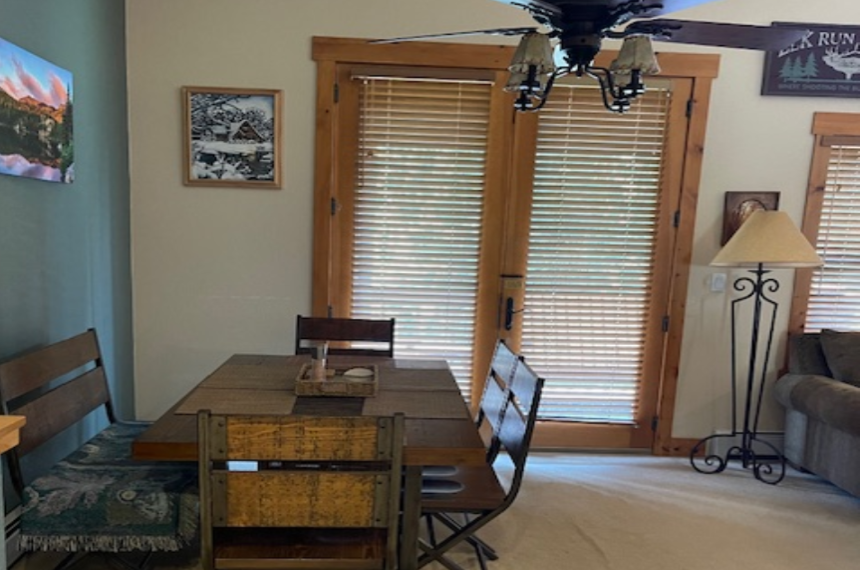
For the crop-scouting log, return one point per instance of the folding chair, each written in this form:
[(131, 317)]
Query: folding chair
[(299, 491), (490, 410), (375, 337), (482, 496)]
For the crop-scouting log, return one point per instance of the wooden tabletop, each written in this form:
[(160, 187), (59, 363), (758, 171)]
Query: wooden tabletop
[(446, 435), (10, 431)]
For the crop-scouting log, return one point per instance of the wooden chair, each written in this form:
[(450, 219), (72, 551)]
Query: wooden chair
[(482, 497), (57, 387), (490, 411), (317, 492), (376, 337)]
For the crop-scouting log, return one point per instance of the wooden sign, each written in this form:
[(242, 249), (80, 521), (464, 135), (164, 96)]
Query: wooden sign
[(825, 62)]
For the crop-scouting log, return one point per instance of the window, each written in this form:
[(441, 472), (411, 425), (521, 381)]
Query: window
[(829, 296), (594, 223), (438, 205), (418, 206)]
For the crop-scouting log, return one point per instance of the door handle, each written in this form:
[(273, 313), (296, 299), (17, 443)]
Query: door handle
[(510, 312)]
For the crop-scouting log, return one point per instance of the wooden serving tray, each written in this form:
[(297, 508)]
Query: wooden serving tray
[(336, 384)]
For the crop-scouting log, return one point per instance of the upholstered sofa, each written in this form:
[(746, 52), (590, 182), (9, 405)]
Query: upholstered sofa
[(821, 396)]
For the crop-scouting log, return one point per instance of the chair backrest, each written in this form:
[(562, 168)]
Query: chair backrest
[(54, 387), (306, 471), (519, 421), (496, 392), (377, 335)]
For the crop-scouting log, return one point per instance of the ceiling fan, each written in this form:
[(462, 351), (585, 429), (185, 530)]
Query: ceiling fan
[(577, 28)]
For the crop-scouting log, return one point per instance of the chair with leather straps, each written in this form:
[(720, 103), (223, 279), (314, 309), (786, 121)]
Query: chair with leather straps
[(353, 337), (483, 497), (299, 491)]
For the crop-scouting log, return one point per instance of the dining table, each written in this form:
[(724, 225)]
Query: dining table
[(439, 425)]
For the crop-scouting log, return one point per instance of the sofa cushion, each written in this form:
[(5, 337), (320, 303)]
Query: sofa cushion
[(829, 401), (805, 355), (842, 351)]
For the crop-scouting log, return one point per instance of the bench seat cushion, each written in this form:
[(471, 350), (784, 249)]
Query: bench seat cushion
[(100, 499)]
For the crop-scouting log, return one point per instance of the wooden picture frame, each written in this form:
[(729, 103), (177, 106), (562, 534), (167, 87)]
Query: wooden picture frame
[(232, 137), (739, 206)]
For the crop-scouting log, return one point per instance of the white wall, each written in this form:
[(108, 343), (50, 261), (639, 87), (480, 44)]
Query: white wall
[(216, 271)]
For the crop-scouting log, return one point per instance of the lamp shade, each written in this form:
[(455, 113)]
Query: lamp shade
[(534, 49), (769, 238), (533, 54), (636, 54)]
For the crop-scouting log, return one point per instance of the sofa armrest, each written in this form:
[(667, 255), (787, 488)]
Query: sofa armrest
[(827, 400), (785, 385)]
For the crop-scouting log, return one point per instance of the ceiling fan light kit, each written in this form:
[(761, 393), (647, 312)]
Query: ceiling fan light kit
[(579, 27), (533, 71)]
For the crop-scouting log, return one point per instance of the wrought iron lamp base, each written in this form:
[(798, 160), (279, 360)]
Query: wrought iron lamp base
[(769, 468)]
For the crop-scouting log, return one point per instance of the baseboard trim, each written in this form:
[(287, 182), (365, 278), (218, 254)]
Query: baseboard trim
[(676, 447)]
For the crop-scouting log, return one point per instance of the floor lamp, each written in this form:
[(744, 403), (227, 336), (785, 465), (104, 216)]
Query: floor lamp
[(767, 239)]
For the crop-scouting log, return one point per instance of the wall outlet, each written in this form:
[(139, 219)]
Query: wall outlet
[(718, 282)]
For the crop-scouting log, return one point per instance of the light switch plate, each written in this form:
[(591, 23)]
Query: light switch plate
[(718, 282)]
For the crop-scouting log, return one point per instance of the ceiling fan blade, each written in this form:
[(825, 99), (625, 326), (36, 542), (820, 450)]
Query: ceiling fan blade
[(716, 34), (494, 32), (664, 6), (546, 7)]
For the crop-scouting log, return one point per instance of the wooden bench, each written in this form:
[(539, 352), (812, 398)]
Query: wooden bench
[(97, 499)]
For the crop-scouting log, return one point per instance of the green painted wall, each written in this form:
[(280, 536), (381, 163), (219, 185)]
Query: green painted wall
[(64, 248)]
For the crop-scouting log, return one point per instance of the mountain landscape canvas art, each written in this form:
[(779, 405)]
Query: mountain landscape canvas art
[(35, 117)]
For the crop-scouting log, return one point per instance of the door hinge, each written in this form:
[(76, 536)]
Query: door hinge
[(690, 104), (676, 218), (665, 324), (333, 206), (330, 311), (654, 423), (336, 93)]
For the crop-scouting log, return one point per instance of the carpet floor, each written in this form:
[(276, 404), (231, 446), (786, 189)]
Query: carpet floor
[(636, 512)]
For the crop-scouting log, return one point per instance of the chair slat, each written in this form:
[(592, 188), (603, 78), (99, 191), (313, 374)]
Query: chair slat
[(60, 408), (35, 369), (493, 403), (291, 438), (338, 330), (504, 362), (289, 499), (524, 387)]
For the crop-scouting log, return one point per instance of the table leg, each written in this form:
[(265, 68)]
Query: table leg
[(411, 518)]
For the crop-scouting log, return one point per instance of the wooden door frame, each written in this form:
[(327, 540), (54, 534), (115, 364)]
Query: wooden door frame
[(330, 54)]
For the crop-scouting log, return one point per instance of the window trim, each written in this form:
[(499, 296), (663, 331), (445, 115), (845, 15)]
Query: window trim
[(331, 55), (829, 129)]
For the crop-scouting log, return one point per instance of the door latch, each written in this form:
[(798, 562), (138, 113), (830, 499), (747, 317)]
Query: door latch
[(510, 312)]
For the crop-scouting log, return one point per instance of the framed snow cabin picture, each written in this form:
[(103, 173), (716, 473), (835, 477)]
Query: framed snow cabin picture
[(232, 137)]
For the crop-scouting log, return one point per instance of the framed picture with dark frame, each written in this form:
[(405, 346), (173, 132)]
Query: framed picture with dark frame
[(739, 206), (232, 137)]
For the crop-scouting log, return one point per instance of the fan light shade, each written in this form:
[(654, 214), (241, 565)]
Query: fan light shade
[(533, 54), (768, 238), (636, 54), (534, 49)]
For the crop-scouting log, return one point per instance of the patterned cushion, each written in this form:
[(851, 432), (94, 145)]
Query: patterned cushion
[(111, 446), (842, 350), (100, 499)]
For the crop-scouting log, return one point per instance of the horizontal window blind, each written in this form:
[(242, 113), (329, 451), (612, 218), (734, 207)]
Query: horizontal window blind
[(418, 206), (834, 297), (590, 261)]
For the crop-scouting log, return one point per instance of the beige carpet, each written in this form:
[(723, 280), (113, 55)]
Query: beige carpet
[(630, 512)]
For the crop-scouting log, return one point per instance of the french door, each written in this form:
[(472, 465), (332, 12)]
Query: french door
[(468, 222)]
